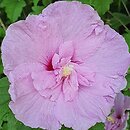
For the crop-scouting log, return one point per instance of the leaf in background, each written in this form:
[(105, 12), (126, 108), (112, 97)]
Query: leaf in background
[(35, 2), (46, 2), (98, 126), (13, 8), (127, 38), (1, 68), (2, 32), (64, 128), (118, 19), (86, 1), (102, 6), (4, 96), (37, 9), (126, 91), (128, 82), (128, 122)]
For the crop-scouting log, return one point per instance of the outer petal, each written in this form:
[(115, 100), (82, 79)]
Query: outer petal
[(74, 18), (107, 85), (86, 46), (21, 79), (32, 40), (83, 112), (112, 57), (68, 114), (35, 111)]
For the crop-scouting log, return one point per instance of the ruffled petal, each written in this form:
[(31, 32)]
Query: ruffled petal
[(112, 57), (74, 18), (21, 79), (32, 40), (35, 111), (70, 87), (67, 113), (43, 80)]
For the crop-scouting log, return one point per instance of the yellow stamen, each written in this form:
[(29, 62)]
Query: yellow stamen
[(111, 119), (66, 71)]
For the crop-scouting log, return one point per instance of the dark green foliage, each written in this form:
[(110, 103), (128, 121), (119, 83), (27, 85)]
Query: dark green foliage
[(113, 12)]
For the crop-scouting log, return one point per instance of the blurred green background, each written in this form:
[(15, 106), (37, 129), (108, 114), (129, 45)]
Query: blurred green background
[(116, 13)]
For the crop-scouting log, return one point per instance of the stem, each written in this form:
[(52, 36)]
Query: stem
[(125, 8), (118, 20), (2, 24)]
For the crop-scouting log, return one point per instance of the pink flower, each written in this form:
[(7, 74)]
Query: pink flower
[(65, 67), (118, 120)]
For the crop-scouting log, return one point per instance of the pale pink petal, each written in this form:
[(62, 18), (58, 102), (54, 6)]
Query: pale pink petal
[(22, 70), (119, 104), (21, 88), (103, 85), (70, 87), (74, 18), (26, 42), (66, 50), (112, 57), (31, 110), (85, 76), (83, 112), (43, 80), (95, 106), (67, 114), (55, 60), (86, 46), (52, 94)]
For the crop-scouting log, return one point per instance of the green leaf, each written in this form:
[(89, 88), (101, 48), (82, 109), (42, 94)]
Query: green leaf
[(1, 68), (35, 2), (126, 93), (2, 32), (37, 9), (127, 38), (4, 83), (13, 8), (98, 126), (64, 128), (4, 99), (118, 20), (4, 109), (128, 82), (86, 1), (128, 122), (46, 2), (102, 6)]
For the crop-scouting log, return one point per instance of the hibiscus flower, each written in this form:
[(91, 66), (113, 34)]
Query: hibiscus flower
[(65, 67), (118, 119)]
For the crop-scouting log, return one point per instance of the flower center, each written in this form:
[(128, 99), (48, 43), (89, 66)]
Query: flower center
[(111, 119), (67, 70)]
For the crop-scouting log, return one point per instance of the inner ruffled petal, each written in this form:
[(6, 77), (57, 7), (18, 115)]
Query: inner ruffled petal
[(43, 80)]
